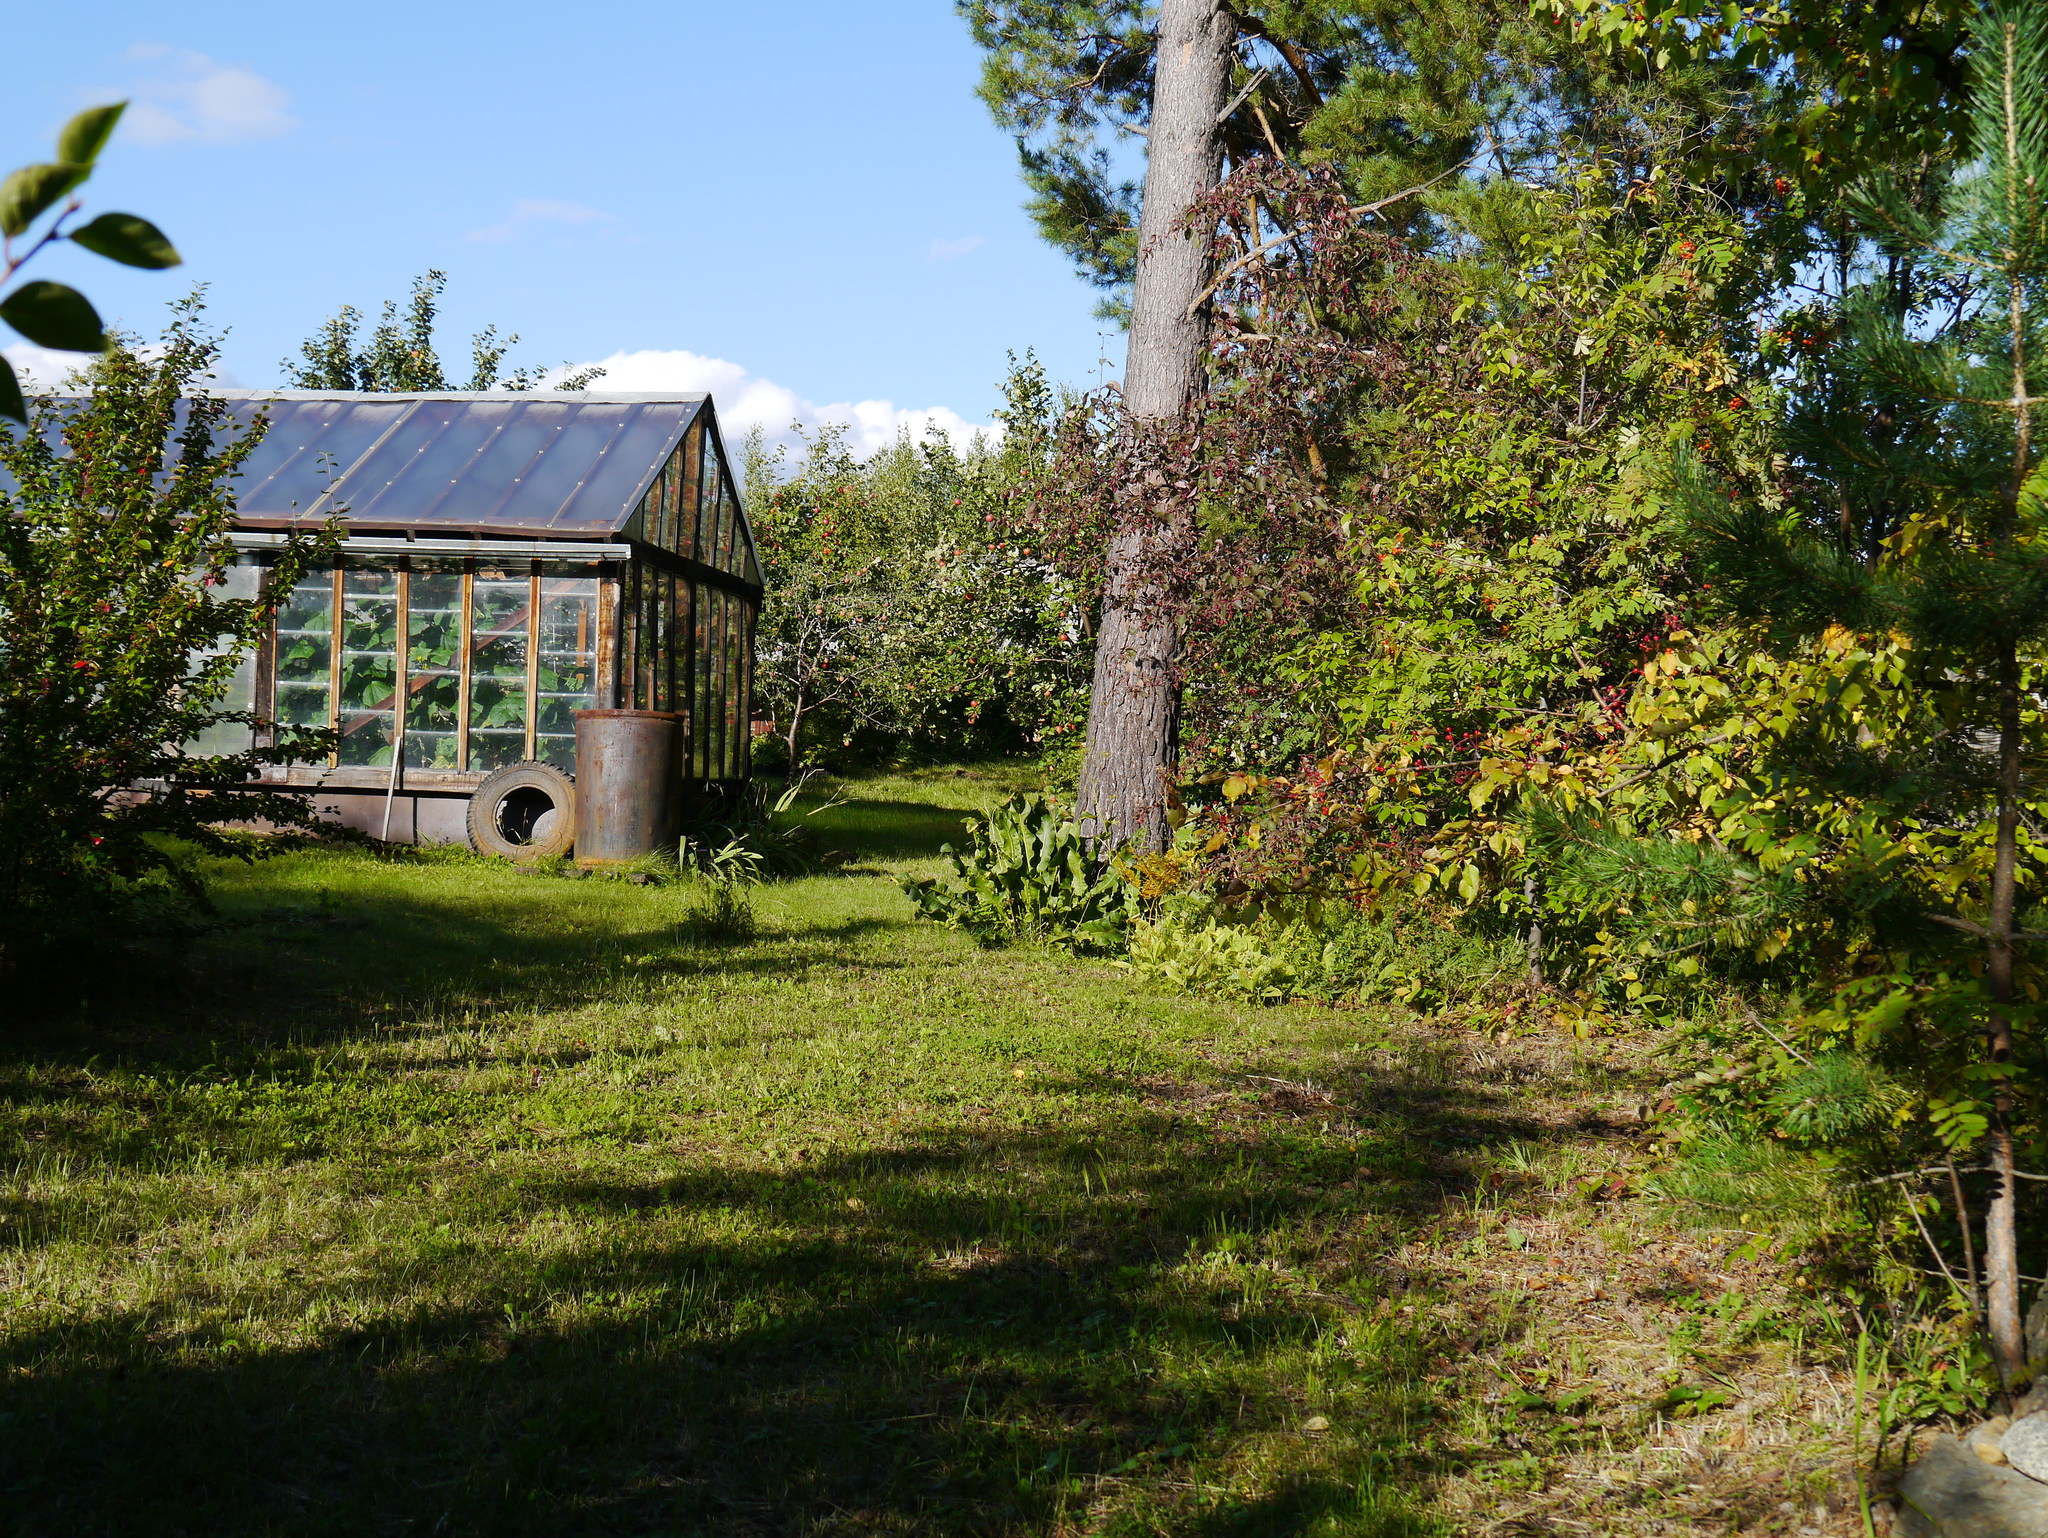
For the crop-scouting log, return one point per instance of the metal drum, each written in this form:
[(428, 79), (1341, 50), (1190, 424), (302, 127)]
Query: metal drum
[(628, 784)]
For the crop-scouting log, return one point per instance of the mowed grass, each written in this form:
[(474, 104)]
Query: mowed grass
[(438, 1198)]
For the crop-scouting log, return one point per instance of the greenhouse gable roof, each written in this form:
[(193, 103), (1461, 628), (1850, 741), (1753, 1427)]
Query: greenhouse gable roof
[(564, 466)]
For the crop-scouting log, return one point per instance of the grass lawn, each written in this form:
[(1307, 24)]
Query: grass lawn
[(445, 1199)]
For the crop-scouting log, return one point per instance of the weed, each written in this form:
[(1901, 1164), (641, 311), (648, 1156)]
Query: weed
[(720, 913)]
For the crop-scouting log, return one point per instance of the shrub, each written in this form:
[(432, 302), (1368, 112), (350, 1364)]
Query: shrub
[(1028, 872), (121, 632)]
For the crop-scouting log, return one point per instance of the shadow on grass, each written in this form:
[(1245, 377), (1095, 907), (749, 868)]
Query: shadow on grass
[(975, 1331), (897, 1342), (891, 830)]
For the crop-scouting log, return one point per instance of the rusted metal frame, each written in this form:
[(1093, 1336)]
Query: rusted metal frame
[(604, 666), (624, 621), (696, 571)]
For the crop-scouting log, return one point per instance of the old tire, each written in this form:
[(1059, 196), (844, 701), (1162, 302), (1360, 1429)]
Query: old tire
[(524, 812)]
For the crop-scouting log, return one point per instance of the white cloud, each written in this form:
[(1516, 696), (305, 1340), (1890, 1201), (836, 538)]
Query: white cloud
[(41, 368), (744, 400), (192, 99), (528, 212), (948, 250)]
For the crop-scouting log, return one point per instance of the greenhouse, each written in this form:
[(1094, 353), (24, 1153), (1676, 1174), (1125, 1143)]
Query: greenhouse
[(511, 559)]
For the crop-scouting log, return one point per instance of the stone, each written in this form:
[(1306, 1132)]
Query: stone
[(2025, 1445), (1952, 1493), (2036, 1329), (1983, 1440)]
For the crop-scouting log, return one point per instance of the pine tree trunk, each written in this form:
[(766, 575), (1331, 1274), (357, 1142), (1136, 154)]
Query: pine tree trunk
[(2001, 1235), (1134, 705)]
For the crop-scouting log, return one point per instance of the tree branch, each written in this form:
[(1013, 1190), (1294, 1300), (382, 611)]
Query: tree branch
[(1297, 61)]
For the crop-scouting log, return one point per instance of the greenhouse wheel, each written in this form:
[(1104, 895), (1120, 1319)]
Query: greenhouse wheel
[(524, 812)]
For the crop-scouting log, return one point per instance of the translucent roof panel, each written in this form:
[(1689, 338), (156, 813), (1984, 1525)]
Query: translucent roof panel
[(568, 465)]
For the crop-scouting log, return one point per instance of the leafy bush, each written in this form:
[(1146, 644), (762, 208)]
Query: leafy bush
[(1193, 947), (1027, 871), (123, 622)]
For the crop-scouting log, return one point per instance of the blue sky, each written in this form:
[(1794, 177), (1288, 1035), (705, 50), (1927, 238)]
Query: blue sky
[(800, 205)]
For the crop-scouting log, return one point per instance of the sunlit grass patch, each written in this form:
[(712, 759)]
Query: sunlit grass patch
[(471, 1201)]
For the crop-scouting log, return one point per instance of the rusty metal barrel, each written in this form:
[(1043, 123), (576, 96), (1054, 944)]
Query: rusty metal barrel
[(628, 784)]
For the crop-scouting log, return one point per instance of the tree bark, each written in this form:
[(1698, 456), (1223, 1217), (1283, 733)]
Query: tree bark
[(1134, 704)]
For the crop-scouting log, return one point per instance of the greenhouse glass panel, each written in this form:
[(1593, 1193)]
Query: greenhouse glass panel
[(238, 583), (305, 653), (678, 504), (500, 615), (707, 510), (575, 440), (661, 500), (625, 654), (369, 663), (567, 675), (686, 518), (689, 605), (676, 666), (735, 712), (728, 522), (701, 681), (653, 642), (749, 614), (433, 684), (663, 694), (714, 746)]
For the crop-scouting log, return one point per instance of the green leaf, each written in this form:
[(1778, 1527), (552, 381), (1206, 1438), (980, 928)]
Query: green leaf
[(53, 315), (12, 405), (128, 239), (86, 135), (28, 192)]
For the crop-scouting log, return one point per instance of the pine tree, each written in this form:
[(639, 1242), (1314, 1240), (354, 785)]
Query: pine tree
[(1962, 576)]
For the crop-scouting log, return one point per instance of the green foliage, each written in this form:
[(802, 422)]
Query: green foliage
[(1191, 947), (901, 600), (399, 355), (720, 913), (118, 638), (1391, 96), (755, 832), (1841, 88), (1833, 1098), (1027, 872), (54, 314)]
